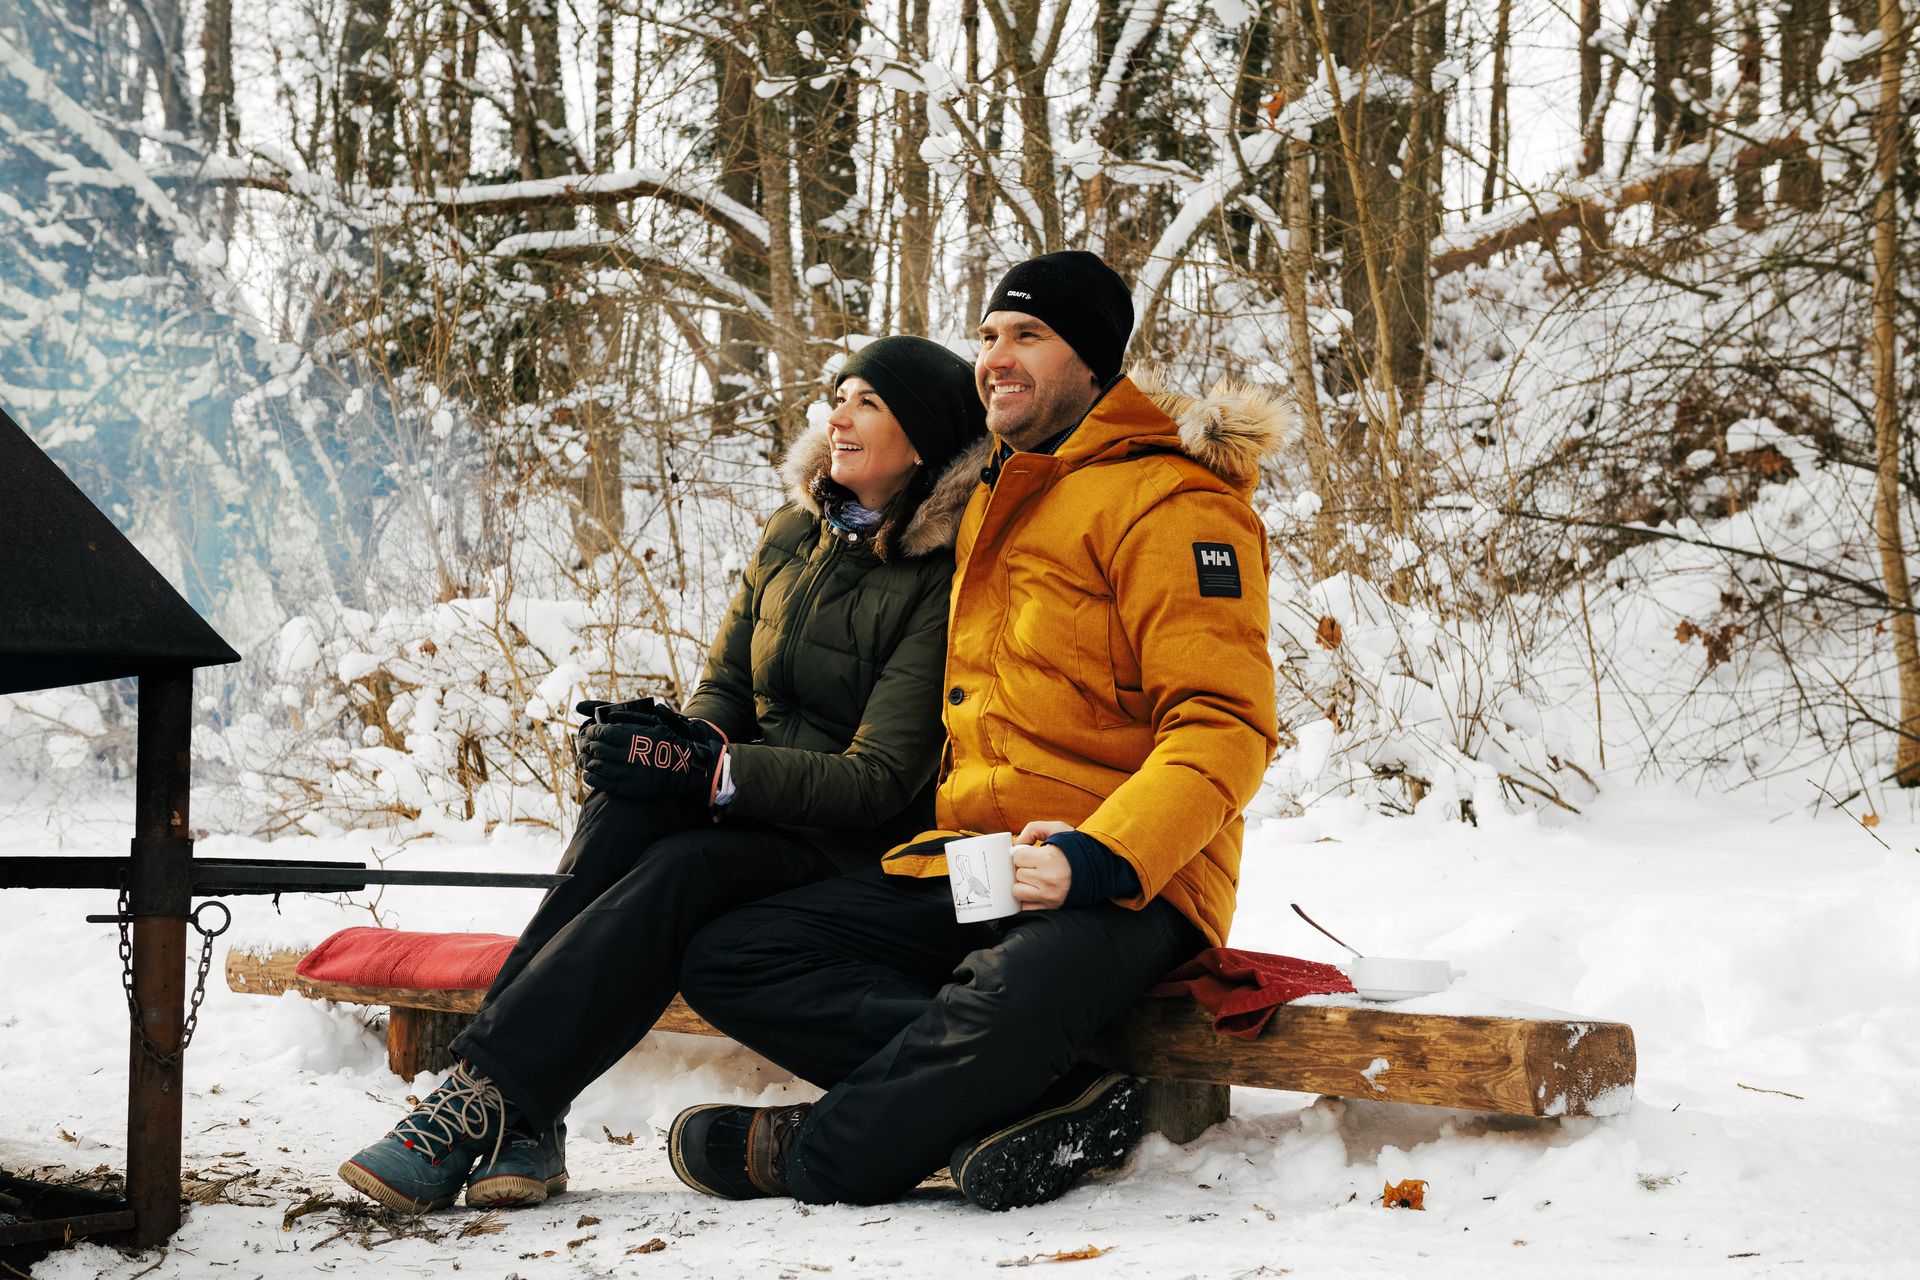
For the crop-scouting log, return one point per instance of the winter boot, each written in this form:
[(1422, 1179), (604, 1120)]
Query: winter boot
[(529, 1169), (1088, 1119), (736, 1153), (423, 1162)]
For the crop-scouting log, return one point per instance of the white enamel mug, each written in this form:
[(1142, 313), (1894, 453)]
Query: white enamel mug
[(980, 874)]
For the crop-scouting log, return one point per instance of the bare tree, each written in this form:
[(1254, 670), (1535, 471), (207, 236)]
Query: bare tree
[(1889, 439)]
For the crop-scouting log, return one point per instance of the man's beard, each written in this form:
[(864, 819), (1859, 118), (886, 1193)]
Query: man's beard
[(1053, 410)]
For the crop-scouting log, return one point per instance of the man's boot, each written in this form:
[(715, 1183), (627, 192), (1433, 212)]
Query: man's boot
[(736, 1153), (1088, 1119)]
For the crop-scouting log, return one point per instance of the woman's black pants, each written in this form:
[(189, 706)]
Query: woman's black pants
[(600, 960)]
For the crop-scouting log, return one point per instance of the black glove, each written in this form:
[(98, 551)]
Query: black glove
[(665, 756), (639, 711)]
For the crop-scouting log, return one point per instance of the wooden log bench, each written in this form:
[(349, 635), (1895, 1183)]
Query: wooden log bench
[(1542, 1067)]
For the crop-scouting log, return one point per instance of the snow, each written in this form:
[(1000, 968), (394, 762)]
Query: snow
[(1766, 960)]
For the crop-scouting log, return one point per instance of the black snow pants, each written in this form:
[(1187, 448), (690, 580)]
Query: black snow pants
[(600, 960), (924, 1031)]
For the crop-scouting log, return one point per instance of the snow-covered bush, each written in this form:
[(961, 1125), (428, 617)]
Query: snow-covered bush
[(461, 712)]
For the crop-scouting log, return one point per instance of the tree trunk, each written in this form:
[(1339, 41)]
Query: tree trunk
[(363, 129), (1887, 432), (219, 123), (1363, 139), (1682, 84), (741, 355), (1748, 189), (979, 206), (1592, 111), (1296, 267), (163, 58), (1027, 52), (1497, 103), (539, 105), (1804, 29), (774, 145), (836, 253), (459, 55), (916, 213), (603, 137)]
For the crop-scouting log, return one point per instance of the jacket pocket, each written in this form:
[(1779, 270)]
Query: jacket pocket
[(1093, 662)]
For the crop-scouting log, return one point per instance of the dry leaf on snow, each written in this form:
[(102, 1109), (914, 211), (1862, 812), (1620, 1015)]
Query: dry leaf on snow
[(1064, 1255), (1409, 1193)]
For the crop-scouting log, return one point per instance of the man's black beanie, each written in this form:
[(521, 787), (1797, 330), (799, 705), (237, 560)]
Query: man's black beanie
[(1081, 297), (929, 390)]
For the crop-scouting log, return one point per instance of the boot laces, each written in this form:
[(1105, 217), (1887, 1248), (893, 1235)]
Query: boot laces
[(782, 1126), (460, 1108)]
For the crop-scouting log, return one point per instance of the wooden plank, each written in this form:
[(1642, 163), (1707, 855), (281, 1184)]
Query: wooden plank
[(1513, 1066)]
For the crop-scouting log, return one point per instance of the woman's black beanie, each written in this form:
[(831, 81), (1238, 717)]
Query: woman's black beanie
[(930, 391)]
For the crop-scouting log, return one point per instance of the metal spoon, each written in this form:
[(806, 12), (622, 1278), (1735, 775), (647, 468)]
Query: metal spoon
[(1310, 920)]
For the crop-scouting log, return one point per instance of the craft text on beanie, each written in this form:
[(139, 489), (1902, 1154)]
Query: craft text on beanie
[(1080, 297), (929, 391)]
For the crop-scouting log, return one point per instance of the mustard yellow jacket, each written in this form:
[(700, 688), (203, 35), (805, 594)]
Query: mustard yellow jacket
[(1107, 660)]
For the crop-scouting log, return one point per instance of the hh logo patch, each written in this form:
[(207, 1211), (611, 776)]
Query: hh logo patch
[(1218, 568)]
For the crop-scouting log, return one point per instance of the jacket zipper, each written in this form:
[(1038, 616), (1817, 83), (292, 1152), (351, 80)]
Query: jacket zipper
[(810, 586)]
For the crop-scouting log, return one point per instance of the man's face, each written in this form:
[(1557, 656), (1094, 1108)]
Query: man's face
[(1032, 383)]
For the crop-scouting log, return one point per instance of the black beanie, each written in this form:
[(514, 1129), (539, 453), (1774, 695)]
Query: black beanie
[(1081, 297), (930, 391)]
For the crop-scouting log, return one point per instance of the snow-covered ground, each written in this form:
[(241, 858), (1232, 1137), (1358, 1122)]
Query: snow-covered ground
[(1768, 962)]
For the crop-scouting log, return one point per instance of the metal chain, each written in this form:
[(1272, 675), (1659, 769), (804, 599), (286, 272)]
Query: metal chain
[(168, 1060)]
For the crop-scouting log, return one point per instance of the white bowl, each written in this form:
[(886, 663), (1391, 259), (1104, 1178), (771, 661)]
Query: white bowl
[(1387, 978)]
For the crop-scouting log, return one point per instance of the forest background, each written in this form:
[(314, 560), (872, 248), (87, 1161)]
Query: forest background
[(441, 350)]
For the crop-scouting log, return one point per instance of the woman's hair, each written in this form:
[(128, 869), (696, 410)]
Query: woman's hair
[(894, 517)]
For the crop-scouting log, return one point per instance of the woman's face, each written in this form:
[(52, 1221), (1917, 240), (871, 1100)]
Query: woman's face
[(871, 454)]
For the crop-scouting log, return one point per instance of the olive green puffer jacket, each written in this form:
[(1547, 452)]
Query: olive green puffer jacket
[(826, 675)]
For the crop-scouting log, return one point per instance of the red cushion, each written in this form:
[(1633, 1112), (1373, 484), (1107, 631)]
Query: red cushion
[(364, 957)]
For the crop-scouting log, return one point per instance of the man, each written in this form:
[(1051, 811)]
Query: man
[(1110, 699)]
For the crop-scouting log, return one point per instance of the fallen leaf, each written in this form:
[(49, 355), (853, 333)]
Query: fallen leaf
[(654, 1245), (1871, 820), (1409, 1193), (586, 1220), (1064, 1255), (617, 1140), (67, 1137), (1328, 632)]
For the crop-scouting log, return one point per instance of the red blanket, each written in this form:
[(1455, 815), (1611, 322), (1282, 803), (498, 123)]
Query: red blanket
[(1241, 989), (421, 961)]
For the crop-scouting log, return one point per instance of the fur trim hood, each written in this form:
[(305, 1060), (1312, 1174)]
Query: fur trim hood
[(934, 523), (1230, 429)]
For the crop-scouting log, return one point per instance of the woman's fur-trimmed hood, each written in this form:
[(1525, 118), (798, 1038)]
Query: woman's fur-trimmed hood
[(1230, 429), (937, 520)]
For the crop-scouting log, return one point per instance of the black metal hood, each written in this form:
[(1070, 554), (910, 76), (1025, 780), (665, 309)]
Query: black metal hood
[(77, 602)]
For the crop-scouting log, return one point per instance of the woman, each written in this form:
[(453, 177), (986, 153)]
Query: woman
[(809, 748)]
